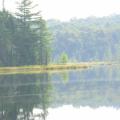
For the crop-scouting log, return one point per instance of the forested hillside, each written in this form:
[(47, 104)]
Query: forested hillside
[(87, 39)]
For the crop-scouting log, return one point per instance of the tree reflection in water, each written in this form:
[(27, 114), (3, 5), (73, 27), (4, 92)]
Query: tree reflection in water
[(27, 97), (21, 94)]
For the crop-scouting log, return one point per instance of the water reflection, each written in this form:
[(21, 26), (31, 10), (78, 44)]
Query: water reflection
[(32, 97), (92, 87), (20, 94)]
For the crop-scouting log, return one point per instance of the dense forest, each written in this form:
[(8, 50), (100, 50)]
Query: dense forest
[(90, 39), (24, 37)]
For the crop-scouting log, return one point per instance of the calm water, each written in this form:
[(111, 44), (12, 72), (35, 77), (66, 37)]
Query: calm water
[(89, 94)]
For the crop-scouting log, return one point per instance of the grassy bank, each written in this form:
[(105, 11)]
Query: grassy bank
[(49, 68)]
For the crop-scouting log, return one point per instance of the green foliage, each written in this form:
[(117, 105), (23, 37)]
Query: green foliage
[(6, 38), (90, 39), (43, 48), (24, 38), (36, 37), (64, 58)]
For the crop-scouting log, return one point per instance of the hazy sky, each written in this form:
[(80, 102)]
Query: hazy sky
[(67, 9)]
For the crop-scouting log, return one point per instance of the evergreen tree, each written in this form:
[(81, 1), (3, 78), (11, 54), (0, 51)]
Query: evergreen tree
[(25, 14), (34, 38), (43, 49), (26, 37), (7, 23)]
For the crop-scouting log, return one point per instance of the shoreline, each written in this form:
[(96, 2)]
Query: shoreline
[(50, 68)]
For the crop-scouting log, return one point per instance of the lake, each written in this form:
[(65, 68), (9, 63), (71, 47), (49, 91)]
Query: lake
[(86, 94)]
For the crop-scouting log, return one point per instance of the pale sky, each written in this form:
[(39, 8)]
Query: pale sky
[(67, 9)]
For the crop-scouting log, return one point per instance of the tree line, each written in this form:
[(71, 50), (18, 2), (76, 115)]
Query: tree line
[(90, 39), (24, 37)]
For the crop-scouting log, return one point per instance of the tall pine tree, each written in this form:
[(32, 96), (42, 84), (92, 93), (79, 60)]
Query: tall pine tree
[(26, 37), (43, 48), (34, 38)]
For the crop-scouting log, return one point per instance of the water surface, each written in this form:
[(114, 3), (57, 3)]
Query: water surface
[(86, 94)]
